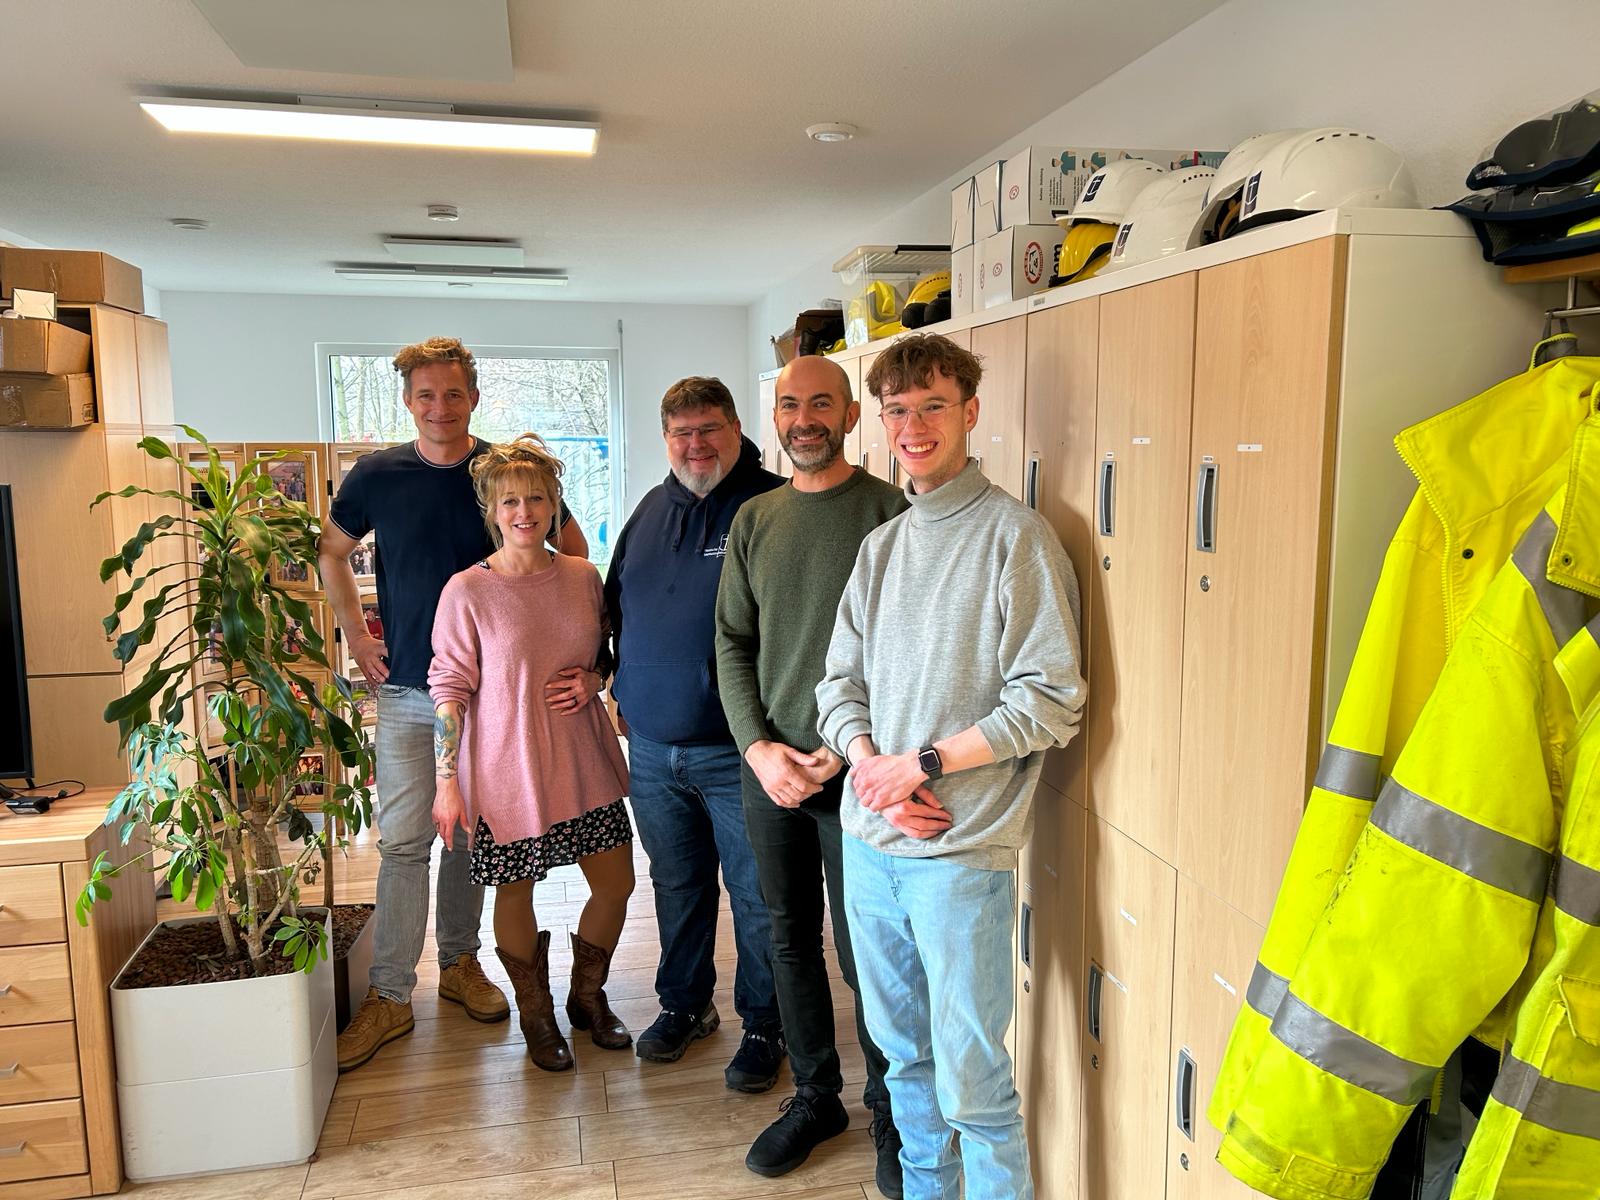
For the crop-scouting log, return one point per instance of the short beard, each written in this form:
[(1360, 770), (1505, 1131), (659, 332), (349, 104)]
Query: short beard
[(824, 456), (700, 485)]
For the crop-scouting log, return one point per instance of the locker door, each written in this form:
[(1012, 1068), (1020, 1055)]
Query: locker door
[(772, 455), (875, 455), (1136, 634), (1058, 478), (1266, 353), (852, 440), (996, 440), (1214, 952), (1051, 992), (1127, 1015)]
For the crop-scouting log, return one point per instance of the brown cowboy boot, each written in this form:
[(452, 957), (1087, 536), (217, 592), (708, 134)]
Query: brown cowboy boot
[(586, 1001), (535, 1008)]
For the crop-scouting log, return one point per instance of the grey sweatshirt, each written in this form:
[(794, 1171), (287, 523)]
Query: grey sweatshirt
[(963, 611)]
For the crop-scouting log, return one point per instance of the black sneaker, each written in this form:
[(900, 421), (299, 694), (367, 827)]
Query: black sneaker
[(809, 1119), (669, 1037), (887, 1139), (755, 1067)]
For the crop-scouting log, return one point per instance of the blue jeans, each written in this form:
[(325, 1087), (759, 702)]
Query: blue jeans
[(688, 809), (933, 955), (404, 746)]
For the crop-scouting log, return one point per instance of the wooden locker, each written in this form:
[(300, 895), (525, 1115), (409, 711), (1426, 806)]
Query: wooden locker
[(1138, 522), (1128, 916), (1214, 952), (772, 456), (116, 366), (875, 454), (156, 410), (1266, 353), (852, 440), (996, 441), (1058, 479), (1051, 992)]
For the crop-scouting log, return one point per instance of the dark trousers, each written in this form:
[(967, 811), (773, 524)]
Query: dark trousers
[(798, 853)]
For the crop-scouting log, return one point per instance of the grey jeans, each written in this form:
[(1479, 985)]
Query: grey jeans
[(405, 844)]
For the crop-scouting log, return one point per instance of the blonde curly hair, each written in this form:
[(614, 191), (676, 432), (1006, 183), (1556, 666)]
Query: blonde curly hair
[(436, 350), (504, 465)]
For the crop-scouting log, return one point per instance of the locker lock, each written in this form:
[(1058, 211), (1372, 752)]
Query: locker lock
[(1027, 986), (1183, 1161), (1205, 583), (1105, 563), (1094, 1061)]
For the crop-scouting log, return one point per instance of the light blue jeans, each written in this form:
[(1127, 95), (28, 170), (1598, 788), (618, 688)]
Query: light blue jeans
[(404, 746), (933, 956)]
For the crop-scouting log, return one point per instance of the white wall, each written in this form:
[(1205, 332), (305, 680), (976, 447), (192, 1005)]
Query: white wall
[(1437, 79), (244, 367)]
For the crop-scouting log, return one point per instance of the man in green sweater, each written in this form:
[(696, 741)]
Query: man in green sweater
[(954, 665), (790, 552)]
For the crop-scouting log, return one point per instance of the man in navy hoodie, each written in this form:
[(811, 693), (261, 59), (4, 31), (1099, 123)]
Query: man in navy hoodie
[(684, 772)]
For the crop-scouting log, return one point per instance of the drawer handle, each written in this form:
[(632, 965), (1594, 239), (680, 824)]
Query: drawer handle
[(8, 1072), (12, 1151), (5, 989)]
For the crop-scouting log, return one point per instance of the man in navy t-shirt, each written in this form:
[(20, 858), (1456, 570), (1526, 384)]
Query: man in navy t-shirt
[(419, 501)]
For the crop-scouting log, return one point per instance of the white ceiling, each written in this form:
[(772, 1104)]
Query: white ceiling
[(704, 188)]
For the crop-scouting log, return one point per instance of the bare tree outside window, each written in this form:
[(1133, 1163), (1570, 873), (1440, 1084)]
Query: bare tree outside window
[(566, 401)]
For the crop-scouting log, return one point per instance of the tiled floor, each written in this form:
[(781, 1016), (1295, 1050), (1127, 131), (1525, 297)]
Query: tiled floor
[(457, 1110)]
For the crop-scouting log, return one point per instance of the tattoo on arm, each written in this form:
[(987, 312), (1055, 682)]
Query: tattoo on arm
[(446, 742)]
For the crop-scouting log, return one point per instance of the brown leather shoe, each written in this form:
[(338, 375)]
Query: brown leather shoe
[(464, 982), (377, 1022), (587, 1007), (535, 1008)]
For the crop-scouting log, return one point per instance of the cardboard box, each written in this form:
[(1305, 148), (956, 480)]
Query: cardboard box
[(986, 202), (42, 347), (1017, 262), (75, 276), (961, 280), (46, 401), (961, 214), (1042, 183)]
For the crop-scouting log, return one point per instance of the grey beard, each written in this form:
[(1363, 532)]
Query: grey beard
[(700, 485), (820, 459)]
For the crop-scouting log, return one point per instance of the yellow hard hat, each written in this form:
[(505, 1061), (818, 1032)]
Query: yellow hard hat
[(1084, 251)]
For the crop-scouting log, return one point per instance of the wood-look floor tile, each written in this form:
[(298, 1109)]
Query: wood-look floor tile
[(593, 1182), (542, 1097), (386, 1166), (707, 1125), (276, 1183), (336, 1125), (838, 1165)]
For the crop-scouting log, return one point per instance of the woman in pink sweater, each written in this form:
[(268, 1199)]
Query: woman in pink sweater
[(526, 759)]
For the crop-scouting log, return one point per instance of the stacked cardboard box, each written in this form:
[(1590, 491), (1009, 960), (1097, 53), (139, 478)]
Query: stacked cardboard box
[(44, 379)]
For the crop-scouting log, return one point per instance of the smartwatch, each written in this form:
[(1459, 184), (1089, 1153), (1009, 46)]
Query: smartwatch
[(930, 762)]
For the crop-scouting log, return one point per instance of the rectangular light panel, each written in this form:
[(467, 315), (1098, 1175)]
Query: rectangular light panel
[(375, 125)]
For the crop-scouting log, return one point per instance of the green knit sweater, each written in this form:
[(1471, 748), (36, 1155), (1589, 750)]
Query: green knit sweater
[(790, 554)]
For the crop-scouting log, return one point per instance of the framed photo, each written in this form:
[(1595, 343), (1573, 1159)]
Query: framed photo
[(345, 661), (321, 622), (344, 455), (210, 665), (298, 472), (192, 454), (364, 562), (315, 765)]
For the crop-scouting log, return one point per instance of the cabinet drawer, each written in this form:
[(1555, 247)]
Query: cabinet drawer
[(31, 908), (35, 985), (41, 1140), (38, 1062)]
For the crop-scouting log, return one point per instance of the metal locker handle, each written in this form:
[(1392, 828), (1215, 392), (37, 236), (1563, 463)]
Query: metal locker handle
[(1183, 1094), (894, 470), (8, 1072), (863, 461), (12, 1151), (1025, 935), (1205, 509), (1097, 979), (1031, 488), (1108, 497)]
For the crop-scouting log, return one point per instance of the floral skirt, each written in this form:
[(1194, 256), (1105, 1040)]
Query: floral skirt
[(593, 832)]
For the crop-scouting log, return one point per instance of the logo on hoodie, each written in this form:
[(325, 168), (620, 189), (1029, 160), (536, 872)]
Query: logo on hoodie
[(719, 549)]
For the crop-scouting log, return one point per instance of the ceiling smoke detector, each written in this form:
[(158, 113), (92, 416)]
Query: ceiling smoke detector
[(188, 224), (443, 212), (830, 131)]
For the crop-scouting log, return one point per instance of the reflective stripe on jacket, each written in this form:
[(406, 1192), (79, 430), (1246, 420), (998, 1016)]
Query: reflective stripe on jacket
[(1432, 921), (1484, 469)]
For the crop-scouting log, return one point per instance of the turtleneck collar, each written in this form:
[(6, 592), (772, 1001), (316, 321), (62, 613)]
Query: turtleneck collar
[(950, 499)]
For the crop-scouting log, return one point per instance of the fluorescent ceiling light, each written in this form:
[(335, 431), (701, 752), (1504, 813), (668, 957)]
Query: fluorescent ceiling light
[(382, 125), (516, 276), (460, 252)]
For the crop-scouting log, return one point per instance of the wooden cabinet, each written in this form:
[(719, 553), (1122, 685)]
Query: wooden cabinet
[(996, 441), (875, 455), (852, 440), (772, 456), (1214, 951), (1265, 380), (1138, 521), (1128, 916), (58, 1091), (1058, 475)]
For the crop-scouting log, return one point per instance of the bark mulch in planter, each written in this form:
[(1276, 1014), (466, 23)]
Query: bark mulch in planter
[(195, 954), (348, 922)]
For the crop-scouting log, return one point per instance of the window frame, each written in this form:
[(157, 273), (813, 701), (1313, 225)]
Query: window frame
[(326, 351)]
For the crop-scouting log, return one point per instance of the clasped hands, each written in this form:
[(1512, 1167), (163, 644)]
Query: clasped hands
[(895, 787)]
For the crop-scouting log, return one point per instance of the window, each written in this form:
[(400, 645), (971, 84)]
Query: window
[(567, 397)]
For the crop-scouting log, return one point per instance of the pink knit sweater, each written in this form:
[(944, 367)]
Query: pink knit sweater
[(497, 640)]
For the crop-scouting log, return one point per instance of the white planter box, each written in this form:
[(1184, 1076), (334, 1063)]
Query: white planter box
[(256, 1054)]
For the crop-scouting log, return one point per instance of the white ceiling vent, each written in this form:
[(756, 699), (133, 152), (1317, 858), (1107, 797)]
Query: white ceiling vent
[(446, 251)]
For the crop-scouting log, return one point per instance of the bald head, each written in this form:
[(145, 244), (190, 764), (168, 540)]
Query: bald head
[(813, 410), (811, 374)]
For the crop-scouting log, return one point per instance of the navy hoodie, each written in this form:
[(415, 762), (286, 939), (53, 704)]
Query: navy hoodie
[(661, 591)]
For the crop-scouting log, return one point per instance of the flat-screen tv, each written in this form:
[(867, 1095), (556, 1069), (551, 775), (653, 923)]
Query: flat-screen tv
[(16, 734)]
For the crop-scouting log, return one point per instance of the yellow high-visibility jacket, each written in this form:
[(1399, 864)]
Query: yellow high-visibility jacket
[(1485, 467), (1431, 923)]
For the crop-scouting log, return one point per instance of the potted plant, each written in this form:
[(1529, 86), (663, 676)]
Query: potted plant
[(231, 1013)]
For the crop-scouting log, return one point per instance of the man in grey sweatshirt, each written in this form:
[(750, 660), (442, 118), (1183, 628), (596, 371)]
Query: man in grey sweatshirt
[(954, 665)]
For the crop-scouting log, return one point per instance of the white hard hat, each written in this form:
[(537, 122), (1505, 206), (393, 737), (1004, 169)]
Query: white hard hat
[(1321, 169), (1161, 218), (1110, 190), (1223, 194)]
